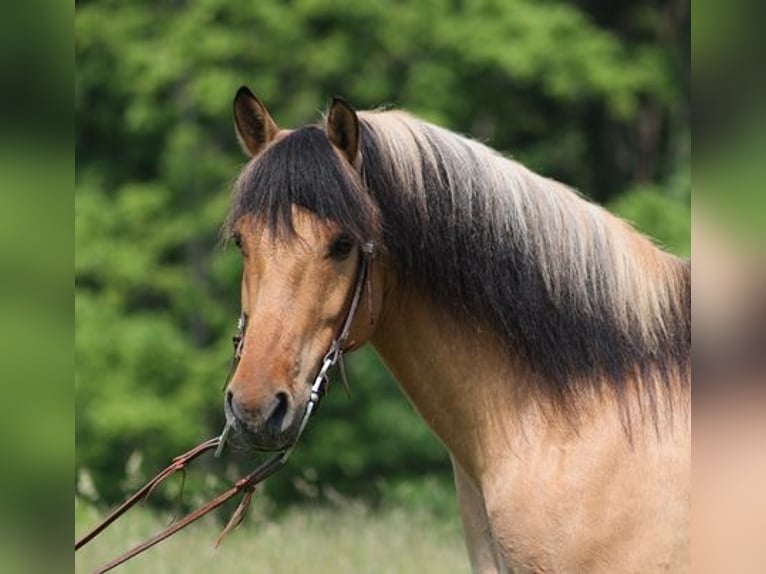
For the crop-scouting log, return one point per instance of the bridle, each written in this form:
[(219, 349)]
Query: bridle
[(247, 484)]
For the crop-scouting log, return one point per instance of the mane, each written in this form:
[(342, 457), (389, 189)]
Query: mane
[(572, 291)]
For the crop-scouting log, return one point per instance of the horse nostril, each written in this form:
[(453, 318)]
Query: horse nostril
[(232, 407), (279, 411), (230, 400)]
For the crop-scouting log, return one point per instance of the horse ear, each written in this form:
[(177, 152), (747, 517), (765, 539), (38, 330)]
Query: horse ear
[(343, 129), (255, 128)]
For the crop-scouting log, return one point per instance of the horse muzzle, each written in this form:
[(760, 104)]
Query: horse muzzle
[(271, 425)]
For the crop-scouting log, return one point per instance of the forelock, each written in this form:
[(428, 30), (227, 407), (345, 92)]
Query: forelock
[(303, 169)]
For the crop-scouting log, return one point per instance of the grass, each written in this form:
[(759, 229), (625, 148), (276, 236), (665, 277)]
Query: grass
[(347, 539)]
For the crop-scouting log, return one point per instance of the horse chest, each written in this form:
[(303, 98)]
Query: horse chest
[(608, 509)]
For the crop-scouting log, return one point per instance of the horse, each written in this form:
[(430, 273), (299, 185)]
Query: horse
[(544, 341)]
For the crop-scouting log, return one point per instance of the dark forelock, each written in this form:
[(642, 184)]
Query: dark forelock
[(304, 170)]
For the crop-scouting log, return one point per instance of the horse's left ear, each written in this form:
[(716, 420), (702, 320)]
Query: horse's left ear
[(343, 129)]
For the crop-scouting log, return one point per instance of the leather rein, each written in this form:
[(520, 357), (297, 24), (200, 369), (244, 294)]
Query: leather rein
[(246, 485)]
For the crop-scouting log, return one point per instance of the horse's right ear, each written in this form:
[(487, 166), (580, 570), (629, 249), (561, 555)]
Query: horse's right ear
[(255, 128)]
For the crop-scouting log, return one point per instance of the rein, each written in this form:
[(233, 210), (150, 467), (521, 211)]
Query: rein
[(246, 485)]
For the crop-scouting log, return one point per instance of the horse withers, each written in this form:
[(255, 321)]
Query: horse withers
[(545, 342)]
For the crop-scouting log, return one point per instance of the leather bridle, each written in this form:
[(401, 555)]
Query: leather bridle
[(247, 484)]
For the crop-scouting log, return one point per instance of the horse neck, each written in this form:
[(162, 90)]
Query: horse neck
[(455, 376), (478, 398)]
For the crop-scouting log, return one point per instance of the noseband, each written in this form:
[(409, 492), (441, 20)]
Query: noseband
[(247, 484)]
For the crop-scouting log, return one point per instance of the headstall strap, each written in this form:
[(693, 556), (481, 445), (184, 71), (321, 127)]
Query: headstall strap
[(247, 484)]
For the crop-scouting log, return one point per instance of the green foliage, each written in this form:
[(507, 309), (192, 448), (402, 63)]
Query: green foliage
[(661, 212), (663, 218), (592, 96)]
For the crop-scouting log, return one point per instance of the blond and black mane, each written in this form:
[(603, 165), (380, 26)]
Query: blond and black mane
[(572, 291)]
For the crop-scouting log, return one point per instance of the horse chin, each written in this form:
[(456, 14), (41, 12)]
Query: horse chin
[(265, 440)]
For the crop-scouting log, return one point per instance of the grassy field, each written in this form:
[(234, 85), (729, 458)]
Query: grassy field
[(352, 539)]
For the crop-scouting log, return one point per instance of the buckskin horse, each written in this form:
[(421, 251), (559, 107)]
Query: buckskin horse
[(543, 340)]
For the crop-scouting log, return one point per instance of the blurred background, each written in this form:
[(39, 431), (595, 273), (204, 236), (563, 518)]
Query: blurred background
[(595, 94)]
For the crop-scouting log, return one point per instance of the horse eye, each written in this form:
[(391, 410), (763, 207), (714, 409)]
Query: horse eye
[(341, 247), (239, 335), (237, 238)]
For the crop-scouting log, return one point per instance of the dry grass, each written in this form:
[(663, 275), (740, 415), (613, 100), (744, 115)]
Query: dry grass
[(352, 539)]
